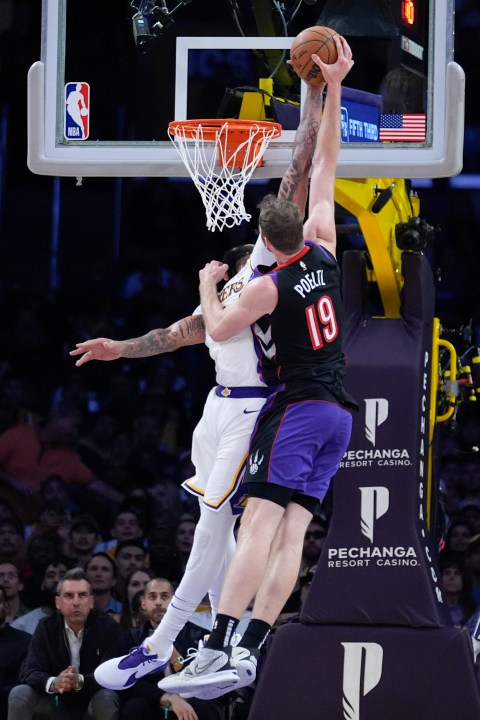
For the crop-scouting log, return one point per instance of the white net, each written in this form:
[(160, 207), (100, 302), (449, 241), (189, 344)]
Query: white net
[(220, 157)]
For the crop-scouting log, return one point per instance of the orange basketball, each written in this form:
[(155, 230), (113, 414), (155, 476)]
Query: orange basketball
[(317, 39)]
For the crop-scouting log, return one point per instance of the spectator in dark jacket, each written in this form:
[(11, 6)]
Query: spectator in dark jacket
[(65, 649), (13, 648)]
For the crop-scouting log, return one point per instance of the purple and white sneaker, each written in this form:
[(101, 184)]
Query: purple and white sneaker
[(122, 672)]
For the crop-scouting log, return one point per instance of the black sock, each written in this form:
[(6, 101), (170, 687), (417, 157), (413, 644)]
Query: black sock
[(222, 632), (255, 634)]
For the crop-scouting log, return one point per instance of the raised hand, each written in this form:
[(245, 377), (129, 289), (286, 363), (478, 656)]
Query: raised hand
[(335, 72)]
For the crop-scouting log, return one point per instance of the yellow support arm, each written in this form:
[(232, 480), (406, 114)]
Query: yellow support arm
[(358, 196)]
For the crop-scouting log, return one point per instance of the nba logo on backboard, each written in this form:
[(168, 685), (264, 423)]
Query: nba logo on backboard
[(77, 111)]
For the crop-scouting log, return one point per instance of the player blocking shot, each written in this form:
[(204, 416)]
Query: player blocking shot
[(221, 439), (304, 427)]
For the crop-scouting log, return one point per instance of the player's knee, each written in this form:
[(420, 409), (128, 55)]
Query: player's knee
[(202, 540)]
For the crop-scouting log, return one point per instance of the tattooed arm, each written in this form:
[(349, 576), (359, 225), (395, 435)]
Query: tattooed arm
[(187, 331), (294, 185), (320, 225)]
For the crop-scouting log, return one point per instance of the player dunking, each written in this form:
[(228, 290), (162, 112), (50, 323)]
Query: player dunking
[(221, 439), (304, 427)]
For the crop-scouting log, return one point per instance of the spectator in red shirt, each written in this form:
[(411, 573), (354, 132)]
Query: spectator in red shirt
[(30, 453)]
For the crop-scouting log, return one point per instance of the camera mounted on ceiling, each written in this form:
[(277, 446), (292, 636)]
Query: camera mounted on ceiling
[(150, 20)]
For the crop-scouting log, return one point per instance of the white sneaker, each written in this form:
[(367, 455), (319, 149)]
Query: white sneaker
[(123, 672), (209, 670), (244, 661)]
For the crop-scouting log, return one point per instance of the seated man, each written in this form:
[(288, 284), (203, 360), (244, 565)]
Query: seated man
[(57, 676), (13, 648), (144, 699)]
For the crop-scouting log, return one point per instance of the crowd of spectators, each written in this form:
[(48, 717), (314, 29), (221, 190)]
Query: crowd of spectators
[(91, 465), (459, 480)]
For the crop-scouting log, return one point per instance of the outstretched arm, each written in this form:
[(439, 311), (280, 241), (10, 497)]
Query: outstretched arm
[(187, 331), (294, 185), (320, 225)]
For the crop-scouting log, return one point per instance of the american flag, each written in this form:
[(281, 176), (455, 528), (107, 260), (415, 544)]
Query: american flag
[(402, 128)]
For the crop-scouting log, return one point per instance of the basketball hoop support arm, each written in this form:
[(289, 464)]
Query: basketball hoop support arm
[(358, 196)]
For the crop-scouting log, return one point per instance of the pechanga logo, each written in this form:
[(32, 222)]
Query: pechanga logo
[(362, 670), (378, 458), (376, 412), (374, 503)]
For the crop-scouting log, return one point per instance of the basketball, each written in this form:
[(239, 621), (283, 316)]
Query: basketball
[(317, 39)]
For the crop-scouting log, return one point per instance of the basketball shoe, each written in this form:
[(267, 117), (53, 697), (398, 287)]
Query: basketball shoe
[(122, 672), (213, 673), (209, 670), (244, 660)]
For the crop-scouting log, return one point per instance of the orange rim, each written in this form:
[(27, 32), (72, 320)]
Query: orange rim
[(238, 151), (236, 128)]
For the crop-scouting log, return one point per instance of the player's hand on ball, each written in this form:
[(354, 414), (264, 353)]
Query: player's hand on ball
[(337, 71)]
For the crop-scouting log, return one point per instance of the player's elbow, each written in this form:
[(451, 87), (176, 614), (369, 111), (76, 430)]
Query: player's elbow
[(219, 333)]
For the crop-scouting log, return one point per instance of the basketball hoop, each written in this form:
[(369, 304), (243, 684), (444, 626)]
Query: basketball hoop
[(220, 156)]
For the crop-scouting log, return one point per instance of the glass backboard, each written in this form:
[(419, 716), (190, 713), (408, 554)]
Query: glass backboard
[(99, 101)]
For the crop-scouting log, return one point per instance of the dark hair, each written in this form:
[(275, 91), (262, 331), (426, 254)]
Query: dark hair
[(280, 221), (106, 556), (2, 592), (319, 520), (56, 560), (456, 523), (130, 543), (76, 573), (128, 507), (233, 256), (148, 571), (466, 599), (159, 579)]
